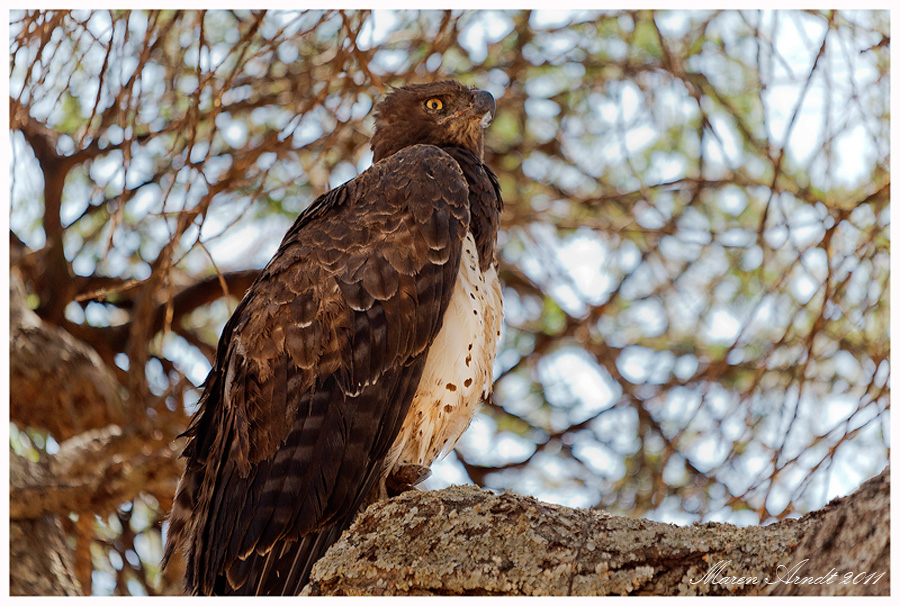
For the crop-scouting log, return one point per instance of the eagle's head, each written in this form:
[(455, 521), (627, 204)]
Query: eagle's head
[(437, 113)]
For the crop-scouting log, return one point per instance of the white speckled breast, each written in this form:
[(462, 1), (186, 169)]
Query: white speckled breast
[(459, 368)]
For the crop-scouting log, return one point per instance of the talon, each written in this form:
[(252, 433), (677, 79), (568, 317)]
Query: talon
[(406, 477)]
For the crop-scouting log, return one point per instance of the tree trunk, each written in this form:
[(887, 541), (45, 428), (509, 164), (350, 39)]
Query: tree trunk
[(467, 541), (40, 562)]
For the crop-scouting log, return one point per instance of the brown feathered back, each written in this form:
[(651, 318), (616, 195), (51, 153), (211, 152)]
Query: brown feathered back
[(317, 367)]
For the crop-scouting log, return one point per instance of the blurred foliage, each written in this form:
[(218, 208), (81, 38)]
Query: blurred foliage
[(695, 242)]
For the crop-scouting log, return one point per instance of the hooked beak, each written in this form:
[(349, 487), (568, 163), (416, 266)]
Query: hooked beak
[(484, 106)]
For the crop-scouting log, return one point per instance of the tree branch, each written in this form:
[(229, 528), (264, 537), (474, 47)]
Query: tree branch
[(57, 382), (467, 541), (93, 472)]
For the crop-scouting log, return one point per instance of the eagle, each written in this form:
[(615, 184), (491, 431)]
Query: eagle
[(356, 358)]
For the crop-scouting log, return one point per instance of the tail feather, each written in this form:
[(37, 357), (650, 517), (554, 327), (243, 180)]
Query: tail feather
[(281, 572), (284, 570)]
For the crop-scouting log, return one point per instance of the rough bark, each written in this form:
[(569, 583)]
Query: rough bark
[(849, 534), (57, 383), (40, 561), (467, 541)]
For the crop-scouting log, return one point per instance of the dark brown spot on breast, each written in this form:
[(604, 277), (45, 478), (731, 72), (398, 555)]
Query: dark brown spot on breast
[(468, 382), (450, 386), (468, 361), (447, 408)]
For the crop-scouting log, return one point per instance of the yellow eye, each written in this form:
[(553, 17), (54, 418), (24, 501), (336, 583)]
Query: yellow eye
[(434, 104)]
